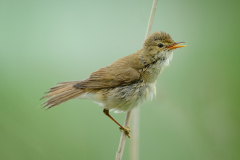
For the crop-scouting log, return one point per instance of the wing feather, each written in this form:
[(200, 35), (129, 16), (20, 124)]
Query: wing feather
[(109, 77)]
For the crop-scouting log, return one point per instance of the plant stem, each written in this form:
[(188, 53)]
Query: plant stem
[(136, 113), (123, 137), (135, 135)]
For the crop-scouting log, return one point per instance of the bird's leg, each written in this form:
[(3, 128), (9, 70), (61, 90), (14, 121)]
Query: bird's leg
[(125, 129)]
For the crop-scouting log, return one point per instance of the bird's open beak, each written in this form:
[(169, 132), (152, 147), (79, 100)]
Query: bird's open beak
[(176, 45)]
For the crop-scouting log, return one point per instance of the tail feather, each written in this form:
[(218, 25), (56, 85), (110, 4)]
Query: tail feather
[(61, 85), (68, 82), (58, 90), (63, 92)]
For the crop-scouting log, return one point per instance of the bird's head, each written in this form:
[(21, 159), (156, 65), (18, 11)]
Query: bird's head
[(160, 42)]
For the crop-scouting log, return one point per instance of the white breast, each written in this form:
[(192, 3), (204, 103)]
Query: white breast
[(150, 91)]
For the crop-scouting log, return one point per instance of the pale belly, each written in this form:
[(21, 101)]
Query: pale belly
[(123, 98)]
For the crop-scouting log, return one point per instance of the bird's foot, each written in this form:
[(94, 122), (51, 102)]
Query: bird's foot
[(126, 130)]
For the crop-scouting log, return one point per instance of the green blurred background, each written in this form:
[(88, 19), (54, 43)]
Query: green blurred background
[(195, 115)]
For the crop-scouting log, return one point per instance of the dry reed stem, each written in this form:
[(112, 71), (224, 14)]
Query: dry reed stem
[(135, 135)]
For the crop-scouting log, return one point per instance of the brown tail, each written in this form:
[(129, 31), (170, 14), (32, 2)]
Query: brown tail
[(63, 92)]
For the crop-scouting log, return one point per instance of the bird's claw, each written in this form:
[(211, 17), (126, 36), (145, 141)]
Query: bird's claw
[(126, 130)]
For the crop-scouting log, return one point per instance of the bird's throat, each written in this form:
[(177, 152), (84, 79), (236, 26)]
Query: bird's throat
[(152, 70)]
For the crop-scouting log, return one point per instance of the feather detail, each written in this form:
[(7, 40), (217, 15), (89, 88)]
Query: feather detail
[(63, 92)]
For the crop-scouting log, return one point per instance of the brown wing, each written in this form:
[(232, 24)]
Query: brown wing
[(108, 77)]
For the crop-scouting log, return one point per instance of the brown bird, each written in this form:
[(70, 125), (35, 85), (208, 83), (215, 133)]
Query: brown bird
[(124, 84)]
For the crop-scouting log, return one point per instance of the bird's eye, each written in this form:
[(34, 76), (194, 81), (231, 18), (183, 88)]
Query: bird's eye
[(160, 45)]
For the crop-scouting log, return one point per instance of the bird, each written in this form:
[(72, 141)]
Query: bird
[(124, 84)]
